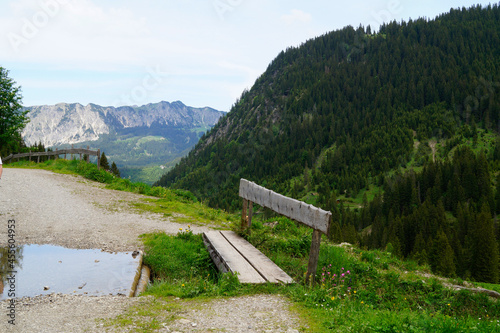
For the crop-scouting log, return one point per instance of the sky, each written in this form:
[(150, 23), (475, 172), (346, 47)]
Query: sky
[(201, 52)]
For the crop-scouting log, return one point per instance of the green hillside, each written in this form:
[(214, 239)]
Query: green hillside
[(139, 152), (408, 115), (360, 97)]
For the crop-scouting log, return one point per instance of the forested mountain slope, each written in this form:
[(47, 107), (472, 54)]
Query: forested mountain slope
[(407, 108), (358, 94)]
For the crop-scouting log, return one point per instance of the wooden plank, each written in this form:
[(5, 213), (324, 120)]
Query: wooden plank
[(224, 252), (265, 266), (309, 215)]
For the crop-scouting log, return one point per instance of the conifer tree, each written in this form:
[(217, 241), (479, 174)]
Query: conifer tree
[(335, 232), (104, 162), (114, 170), (442, 257), (485, 248), (419, 250)]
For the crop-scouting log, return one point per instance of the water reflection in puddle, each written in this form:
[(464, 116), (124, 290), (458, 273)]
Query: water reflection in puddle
[(67, 271)]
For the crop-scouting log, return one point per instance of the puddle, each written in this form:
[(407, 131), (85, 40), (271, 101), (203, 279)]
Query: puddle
[(67, 271)]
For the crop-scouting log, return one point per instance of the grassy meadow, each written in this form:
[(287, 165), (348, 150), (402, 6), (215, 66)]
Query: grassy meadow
[(355, 290)]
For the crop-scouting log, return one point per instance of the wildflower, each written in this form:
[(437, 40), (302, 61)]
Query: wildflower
[(183, 284), (354, 291), (342, 268), (342, 274), (449, 304), (362, 302), (333, 298), (180, 229), (348, 272)]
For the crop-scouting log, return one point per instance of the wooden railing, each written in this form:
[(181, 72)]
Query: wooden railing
[(306, 214), (57, 153)]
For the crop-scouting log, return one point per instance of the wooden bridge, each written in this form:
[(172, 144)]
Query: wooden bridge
[(231, 253)]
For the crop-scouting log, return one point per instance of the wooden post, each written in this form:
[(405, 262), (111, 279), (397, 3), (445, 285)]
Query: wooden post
[(244, 222), (98, 159), (250, 213), (88, 155), (56, 156), (38, 159), (313, 255), (30, 155)]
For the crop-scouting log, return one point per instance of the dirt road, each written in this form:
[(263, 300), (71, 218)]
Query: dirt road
[(70, 211)]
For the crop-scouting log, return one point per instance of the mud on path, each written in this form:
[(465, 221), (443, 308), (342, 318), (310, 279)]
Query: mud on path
[(73, 212)]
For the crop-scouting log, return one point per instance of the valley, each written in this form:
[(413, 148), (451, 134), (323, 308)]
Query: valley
[(143, 141)]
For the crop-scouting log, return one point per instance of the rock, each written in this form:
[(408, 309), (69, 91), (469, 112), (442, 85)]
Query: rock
[(184, 321), (46, 288)]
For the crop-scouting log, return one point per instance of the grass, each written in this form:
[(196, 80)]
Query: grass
[(378, 292), (186, 211)]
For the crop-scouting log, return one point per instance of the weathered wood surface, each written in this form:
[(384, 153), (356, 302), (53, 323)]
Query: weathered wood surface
[(314, 254), (230, 260), (231, 253), (265, 266), (299, 211)]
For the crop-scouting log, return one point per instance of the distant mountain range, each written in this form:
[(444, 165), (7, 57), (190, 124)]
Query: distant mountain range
[(74, 123), (134, 137)]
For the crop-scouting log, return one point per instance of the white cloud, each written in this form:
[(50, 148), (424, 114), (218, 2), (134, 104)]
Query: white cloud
[(296, 16)]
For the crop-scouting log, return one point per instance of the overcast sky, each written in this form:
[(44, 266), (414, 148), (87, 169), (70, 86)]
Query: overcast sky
[(201, 52)]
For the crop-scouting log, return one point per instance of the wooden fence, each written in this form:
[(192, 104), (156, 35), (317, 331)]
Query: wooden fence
[(299, 211), (57, 153)]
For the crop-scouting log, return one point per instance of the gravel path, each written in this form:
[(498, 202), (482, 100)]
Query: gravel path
[(71, 211)]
